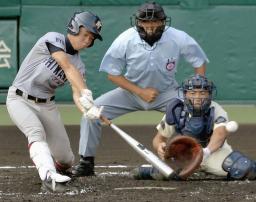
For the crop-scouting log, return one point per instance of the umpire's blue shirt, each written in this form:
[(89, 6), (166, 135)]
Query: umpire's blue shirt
[(154, 66)]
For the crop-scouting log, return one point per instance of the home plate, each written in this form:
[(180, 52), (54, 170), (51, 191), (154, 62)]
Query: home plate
[(145, 188)]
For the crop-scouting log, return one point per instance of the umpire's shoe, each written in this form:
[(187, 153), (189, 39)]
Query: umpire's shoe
[(84, 168), (56, 183), (146, 173)]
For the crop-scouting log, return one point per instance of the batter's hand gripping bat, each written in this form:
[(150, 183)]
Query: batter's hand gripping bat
[(142, 150)]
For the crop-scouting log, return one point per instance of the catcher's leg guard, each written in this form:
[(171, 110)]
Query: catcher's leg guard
[(239, 166), (84, 168)]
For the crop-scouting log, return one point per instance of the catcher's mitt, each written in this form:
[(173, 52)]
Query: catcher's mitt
[(184, 154)]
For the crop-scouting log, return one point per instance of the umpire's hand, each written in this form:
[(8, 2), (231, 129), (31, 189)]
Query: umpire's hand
[(148, 94)]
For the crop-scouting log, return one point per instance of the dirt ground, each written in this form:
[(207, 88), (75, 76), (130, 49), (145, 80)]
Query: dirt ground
[(19, 180)]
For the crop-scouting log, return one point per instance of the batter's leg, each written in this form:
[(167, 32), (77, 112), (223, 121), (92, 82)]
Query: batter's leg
[(56, 137), (24, 115)]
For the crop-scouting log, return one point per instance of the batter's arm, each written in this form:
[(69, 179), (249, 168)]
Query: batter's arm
[(201, 70), (147, 94), (76, 96), (72, 74), (218, 138)]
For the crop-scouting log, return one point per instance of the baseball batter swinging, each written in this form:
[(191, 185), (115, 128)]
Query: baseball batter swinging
[(52, 62), (149, 52)]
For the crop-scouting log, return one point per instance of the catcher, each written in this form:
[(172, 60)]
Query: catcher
[(197, 117)]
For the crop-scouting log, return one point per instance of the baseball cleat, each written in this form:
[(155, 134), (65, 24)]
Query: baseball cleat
[(84, 168), (146, 173), (57, 183), (59, 178)]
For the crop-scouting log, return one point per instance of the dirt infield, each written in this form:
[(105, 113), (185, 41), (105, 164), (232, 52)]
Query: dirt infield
[(20, 182)]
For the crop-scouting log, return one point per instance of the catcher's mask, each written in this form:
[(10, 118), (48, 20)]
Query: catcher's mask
[(87, 20), (198, 93), (154, 13)]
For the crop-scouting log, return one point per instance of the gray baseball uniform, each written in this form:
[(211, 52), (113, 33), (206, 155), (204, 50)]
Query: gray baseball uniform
[(30, 100), (145, 66)]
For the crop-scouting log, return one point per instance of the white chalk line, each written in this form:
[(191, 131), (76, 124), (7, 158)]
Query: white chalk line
[(100, 174), (99, 166), (144, 188)]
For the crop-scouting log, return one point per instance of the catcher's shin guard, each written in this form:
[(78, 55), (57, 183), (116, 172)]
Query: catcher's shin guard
[(84, 168), (239, 166)]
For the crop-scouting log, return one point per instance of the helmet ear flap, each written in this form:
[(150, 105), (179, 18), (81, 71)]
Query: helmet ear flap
[(73, 27)]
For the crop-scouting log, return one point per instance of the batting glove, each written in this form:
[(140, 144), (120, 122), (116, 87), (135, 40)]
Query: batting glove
[(206, 153), (86, 99), (94, 112)]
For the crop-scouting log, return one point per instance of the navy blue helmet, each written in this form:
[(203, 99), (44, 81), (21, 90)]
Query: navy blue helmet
[(202, 83), (88, 20)]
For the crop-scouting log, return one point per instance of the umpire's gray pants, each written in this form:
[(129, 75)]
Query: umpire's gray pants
[(116, 103)]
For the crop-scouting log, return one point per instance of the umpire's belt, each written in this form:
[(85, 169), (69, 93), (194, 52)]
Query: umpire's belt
[(35, 99)]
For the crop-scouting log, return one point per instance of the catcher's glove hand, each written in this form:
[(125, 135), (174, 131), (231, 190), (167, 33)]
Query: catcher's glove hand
[(184, 154)]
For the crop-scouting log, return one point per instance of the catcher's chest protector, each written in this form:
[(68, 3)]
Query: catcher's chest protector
[(198, 127)]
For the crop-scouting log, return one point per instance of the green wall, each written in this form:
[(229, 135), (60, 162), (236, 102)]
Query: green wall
[(224, 28)]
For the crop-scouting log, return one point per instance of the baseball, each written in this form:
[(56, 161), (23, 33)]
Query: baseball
[(232, 126)]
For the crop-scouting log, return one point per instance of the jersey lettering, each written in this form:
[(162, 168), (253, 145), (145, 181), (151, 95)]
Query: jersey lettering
[(59, 40), (51, 63), (58, 72)]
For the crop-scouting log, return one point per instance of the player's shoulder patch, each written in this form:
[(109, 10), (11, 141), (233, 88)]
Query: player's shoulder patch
[(220, 119), (59, 40), (55, 39)]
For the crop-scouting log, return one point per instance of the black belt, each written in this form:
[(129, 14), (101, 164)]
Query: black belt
[(35, 99)]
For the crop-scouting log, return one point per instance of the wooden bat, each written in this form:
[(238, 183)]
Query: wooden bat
[(142, 150)]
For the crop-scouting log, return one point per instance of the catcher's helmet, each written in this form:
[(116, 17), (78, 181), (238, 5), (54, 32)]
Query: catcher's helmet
[(86, 19), (201, 83), (150, 11)]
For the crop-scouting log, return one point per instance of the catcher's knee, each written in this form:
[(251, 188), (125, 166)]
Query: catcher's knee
[(239, 166)]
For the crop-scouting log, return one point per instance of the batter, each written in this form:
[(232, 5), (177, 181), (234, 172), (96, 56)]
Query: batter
[(52, 62)]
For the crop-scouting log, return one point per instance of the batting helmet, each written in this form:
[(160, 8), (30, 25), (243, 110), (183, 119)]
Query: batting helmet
[(201, 83), (86, 19)]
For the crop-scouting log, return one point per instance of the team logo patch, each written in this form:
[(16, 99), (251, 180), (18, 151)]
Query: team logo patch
[(98, 25), (171, 63)]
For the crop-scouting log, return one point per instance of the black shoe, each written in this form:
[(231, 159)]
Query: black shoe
[(84, 168)]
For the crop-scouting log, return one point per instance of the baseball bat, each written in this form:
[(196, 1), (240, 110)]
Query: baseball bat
[(142, 150)]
